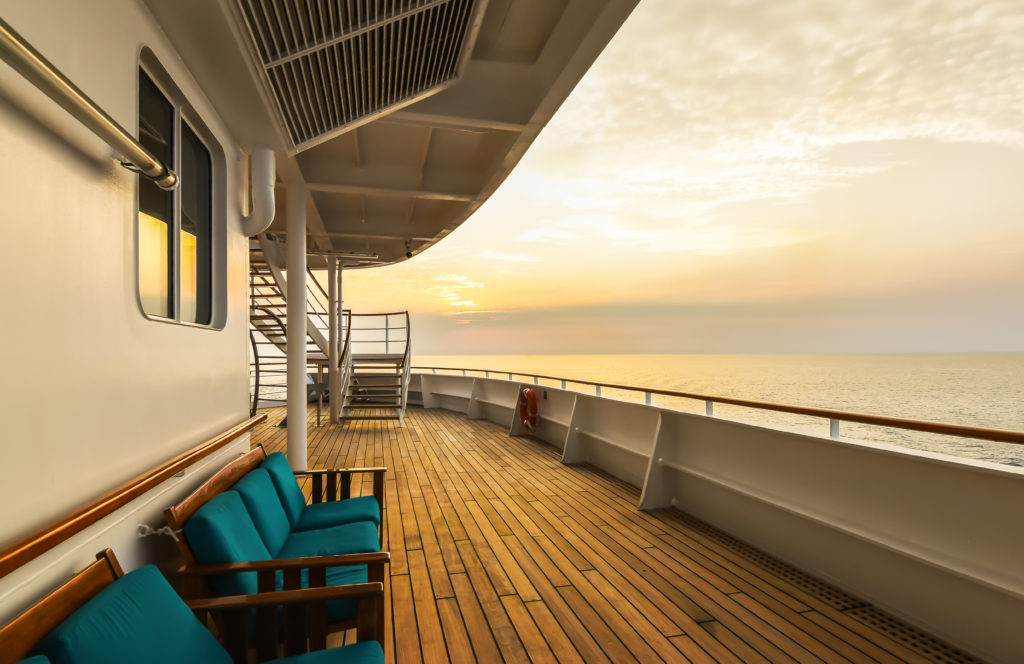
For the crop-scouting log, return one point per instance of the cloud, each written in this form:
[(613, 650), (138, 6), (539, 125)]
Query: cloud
[(738, 100), (501, 256), (547, 234), (450, 288)]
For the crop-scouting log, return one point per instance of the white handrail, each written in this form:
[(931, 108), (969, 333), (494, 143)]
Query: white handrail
[(833, 416)]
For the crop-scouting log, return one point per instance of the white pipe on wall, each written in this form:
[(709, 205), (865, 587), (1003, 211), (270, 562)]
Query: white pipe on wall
[(296, 334), (263, 177)]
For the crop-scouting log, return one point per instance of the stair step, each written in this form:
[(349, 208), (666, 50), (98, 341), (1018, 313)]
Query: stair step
[(371, 417)]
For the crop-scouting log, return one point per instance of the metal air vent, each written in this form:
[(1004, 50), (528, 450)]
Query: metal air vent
[(334, 64)]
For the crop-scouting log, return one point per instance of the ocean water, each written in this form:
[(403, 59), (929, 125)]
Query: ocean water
[(975, 389)]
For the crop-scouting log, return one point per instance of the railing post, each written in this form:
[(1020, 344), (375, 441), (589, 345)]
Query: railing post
[(647, 398), (387, 334), (709, 408), (510, 375), (563, 384), (463, 372), (487, 374), (833, 428), (598, 390), (536, 380)]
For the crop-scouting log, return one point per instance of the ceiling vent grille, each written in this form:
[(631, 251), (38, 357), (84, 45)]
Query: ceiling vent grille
[(334, 64)]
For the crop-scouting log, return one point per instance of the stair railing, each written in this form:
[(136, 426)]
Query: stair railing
[(263, 366), (344, 364), (316, 304), (370, 336), (406, 370)]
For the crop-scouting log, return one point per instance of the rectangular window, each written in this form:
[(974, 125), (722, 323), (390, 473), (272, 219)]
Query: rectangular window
[(156, 206), (175, 228), (196, 228)]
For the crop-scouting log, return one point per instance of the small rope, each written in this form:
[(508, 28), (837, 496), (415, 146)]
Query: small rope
[(146, 530)]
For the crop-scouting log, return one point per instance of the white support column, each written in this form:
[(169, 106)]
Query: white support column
[(296, 341), (332, 337)]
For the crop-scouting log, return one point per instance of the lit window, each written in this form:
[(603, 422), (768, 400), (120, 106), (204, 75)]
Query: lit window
[(175, 228)]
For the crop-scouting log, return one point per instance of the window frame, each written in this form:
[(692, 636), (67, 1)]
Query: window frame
[(184, 115)]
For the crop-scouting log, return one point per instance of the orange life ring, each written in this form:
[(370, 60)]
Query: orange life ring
[(528, 408)]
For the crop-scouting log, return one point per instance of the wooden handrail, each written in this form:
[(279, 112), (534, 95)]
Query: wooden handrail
[(32, 545), (997, 435)]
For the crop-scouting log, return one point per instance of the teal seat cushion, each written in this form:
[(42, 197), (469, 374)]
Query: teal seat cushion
[(221, 531), (264, 506), (338, 512), (350, 538), (287, 486), (35, 659), (138, 618), (364, 652)]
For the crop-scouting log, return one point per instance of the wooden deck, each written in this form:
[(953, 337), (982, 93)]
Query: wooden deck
[(502, 553)]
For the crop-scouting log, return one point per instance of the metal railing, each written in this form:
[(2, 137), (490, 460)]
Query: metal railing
[(316, 304), (266, 373), (27, 61), (834, 417), (380, 334)]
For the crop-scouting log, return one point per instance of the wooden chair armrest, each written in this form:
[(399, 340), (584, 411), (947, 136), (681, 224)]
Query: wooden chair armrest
[(296, 617), (317, 562), (281, 597)]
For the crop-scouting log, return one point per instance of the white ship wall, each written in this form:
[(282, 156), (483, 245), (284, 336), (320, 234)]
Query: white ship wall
[(93, 393)]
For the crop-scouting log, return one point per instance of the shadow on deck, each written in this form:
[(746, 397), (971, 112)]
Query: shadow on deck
[(502, 553)]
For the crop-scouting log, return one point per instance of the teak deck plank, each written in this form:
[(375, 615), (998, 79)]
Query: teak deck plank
[(500, 553)]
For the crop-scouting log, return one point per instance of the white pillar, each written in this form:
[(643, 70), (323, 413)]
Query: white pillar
[(332, 337), (296, 264)]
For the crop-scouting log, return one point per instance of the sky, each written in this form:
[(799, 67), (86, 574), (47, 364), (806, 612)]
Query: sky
[(740, 176)]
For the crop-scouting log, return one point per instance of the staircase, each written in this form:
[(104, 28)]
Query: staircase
[(268, 319), (380, 367), (377, 388), (374, 366)]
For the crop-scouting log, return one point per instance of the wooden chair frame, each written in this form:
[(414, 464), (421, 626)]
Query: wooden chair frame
[(196, 576), (304, 614)]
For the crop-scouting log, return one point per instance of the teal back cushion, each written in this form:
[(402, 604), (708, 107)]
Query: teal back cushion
[(287, 487), (138, 618), (264, 506), (221, 531)]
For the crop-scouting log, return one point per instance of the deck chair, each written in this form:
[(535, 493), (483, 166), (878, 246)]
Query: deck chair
[(104, 616)]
